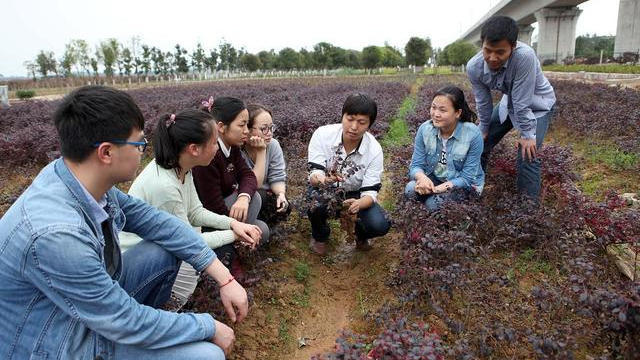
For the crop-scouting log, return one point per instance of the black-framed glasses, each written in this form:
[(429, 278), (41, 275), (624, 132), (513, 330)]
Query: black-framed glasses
[(141, 145), (266, 129)]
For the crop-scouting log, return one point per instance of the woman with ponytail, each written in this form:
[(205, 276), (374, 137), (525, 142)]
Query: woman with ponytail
[(181, 142), (445, 165)]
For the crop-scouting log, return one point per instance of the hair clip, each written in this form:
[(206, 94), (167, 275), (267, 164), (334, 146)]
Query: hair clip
[(170, 121), (208, 103)]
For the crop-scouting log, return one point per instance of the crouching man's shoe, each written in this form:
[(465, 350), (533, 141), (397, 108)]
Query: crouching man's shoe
[(363, 245), (317, 247)]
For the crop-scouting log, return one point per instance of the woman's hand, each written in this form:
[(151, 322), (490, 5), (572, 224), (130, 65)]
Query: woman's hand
[(257, 142), (240, 209), (281, 203), (424, 185), (247, 234), (444, 187)]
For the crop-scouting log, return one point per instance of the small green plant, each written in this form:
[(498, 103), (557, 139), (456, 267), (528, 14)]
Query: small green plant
[(301, 272), (612, 157), (283, 331), (301, 299), (25, 94)]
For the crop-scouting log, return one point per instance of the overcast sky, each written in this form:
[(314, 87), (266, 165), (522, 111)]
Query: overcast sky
[(29, 26)]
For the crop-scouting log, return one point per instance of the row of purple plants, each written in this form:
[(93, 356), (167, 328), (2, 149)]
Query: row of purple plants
[(299, 106)]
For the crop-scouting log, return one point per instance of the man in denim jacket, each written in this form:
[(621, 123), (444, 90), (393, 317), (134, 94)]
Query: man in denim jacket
[(67, 291)]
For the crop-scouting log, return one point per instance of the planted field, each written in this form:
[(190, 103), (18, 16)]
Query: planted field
[(492, 278)]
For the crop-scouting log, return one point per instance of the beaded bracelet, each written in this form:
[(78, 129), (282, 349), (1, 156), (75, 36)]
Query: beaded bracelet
[(228, 282)]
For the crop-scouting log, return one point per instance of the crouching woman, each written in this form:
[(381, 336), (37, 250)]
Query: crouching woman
[(445, 165)]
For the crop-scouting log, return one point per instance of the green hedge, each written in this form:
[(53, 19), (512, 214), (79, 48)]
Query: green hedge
[(608, 68), (25, 94)]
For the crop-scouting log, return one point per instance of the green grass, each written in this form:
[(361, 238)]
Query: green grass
[(398, 133), (605, 68), (612, 157), (283, 331), (438, 70), (528, 262), (592, 185), (301, 299), (302, 271)]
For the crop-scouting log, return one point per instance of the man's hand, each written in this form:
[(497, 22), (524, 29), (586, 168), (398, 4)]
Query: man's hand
[(247, 234), (353, 204), (424, 185), (281, 203), (234, 299), (320, 179), (240, 208), (528, 148), (223, 337)]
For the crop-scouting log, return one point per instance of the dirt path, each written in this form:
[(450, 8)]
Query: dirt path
[(309, 299)]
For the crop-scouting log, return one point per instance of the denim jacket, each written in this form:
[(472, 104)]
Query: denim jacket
[(464, 148), (57, 300)]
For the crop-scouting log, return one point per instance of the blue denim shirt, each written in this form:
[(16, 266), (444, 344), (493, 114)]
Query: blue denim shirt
[(464, 148), (57, 300)]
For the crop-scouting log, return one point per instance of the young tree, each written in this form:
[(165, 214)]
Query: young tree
[(418, 51), (135, 51), (460, 52), (372, 57), (250, 62), (31, 68), (127, 61), (68, 59), (107, 54), (288, 59), (180, 60), (228, 56), (94, 66), (145, 62), (157, 56), (211, 62), (267, 59), (391, 57), (83, 59), (46, 63), (198, 58)]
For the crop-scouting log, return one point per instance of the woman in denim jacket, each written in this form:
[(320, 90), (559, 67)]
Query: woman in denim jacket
[(445, 165)]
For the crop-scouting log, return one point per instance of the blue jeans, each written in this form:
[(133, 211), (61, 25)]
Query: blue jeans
[(148, 273), (528, 179), (433, 202), (371, 222)]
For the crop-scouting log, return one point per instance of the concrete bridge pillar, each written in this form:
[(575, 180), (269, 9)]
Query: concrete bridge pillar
[(628, 30), (557, 33), (524, 34)]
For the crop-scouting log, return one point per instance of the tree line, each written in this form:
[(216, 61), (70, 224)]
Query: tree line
[(111, 58)]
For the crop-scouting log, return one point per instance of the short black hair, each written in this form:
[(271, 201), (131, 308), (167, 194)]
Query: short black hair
[(190, 126), (93, 114), (499, 28), (225, 109), (361, 104)]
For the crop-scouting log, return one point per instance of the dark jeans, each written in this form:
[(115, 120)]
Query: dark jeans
[(528, 171), (371, 222)]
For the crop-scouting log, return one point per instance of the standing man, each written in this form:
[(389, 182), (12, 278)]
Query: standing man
[(527, 103), (67, 291)]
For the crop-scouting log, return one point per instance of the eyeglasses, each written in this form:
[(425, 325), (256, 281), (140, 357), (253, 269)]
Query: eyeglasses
[(266, 129), (141, 145)]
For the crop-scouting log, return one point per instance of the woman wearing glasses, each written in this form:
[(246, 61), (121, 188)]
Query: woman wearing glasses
[(264, 155), (181, 142)]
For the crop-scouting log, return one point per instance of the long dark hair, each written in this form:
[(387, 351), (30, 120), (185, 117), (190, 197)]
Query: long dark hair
[(456, 96), (175, 132)]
